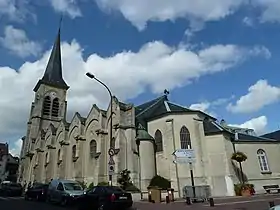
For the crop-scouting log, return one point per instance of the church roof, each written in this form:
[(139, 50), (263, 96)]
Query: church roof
[(273, 135), (212, 127), (53, 72), (142, 134), (159, 107)]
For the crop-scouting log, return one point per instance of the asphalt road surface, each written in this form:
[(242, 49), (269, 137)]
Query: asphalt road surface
[(241, 203)]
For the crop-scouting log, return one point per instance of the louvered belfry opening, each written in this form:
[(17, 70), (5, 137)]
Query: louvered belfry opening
[(47, 106), (55, 107)]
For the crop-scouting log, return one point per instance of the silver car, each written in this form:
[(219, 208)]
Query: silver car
[(275, 208), (64, 192)]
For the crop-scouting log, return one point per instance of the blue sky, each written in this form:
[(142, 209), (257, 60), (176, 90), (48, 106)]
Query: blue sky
[(222, 58)]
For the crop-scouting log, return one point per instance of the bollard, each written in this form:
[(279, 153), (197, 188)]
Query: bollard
[(271, 204), (188, 201), (211, 202), (150, 198), (167, 199)]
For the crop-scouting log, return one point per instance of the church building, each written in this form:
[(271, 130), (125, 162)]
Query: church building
[(144, 138)]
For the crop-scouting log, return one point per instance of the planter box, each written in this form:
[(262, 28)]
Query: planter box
[(246, 193)]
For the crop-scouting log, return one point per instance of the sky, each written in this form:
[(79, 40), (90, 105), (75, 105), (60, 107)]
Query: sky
[(218, 56)]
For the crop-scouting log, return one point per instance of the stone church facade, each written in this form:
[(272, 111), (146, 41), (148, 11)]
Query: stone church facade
[(144, 138)]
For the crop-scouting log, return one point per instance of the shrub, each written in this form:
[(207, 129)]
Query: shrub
[(132, 188), (103, 184), (160, 182), (91, 185), (124, 179)]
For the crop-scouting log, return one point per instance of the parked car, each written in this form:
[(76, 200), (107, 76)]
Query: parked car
[(64, 192), (10, 189), (105, 198), (275, 208), (38, 192)]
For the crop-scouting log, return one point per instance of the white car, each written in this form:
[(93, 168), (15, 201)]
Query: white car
[(275, 208)]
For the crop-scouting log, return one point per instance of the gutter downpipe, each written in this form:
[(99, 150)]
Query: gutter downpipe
[(176, 166)]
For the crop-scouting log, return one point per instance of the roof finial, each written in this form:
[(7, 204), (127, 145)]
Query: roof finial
[(166, 92)]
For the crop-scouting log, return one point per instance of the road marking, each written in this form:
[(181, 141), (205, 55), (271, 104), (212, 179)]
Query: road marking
[(240, 202)]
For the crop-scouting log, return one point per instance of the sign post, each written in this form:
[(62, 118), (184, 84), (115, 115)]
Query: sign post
[(186, 156), (111, 165)]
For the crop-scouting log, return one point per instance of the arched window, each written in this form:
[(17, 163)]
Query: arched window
[(185, 138), (74, 150), (47, 105), (158, 141), (92, 148), (55, 107), (58, 155), (262, 158)]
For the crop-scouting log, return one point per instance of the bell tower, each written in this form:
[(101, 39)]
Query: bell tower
[(49, 106)]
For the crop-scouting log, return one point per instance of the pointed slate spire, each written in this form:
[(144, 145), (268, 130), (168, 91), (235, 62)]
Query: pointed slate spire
[(53, 73)]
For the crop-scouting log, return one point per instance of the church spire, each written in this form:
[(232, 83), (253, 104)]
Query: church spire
[(53, 72)]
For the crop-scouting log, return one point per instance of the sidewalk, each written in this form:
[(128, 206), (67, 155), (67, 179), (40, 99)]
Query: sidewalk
[(257, 202)]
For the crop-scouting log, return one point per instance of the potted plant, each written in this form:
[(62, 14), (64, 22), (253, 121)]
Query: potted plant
[(243, 189), (239, 157)]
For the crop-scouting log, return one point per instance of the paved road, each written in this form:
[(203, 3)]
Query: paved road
[(252, 203)]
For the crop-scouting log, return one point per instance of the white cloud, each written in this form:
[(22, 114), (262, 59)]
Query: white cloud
[(259, 95), (69, 7), (204, 106), (127, 73), (248, 21), (15, 10), (259, 124), (17, 42), (140, 12), (270, 10), (15, 148), (197, 12), (208, 107)]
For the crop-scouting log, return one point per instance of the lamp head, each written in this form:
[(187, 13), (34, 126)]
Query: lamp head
[(90, 75)]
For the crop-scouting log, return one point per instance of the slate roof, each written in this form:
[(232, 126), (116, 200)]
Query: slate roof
[(250, 138), (159, 107), (53, 72), (142, 134), (273, 135), (212, 128)]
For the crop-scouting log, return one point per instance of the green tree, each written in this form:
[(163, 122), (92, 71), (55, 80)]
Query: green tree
[(124, 179), (160, 182), (91, 185)]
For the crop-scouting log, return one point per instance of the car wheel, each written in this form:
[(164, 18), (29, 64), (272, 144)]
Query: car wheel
[(48, 199), (26, 197), (37, 198), (101, 207), (63, 202)]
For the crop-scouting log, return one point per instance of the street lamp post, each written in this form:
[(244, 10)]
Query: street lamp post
[(91, 76)]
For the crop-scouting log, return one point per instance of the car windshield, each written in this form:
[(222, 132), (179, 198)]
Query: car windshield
[(72, 186), (113, 189)]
